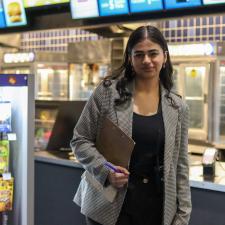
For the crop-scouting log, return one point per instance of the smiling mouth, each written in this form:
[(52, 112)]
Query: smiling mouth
[(148, 69)]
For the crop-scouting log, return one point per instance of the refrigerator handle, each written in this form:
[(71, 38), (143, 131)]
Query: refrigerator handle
[(205, 98)]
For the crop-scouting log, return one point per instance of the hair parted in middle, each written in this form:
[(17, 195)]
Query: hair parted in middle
[(125, 72)]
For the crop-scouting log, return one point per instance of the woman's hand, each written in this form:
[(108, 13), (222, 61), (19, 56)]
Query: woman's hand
[(118, 179)]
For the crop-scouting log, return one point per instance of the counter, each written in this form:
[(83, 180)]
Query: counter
[(62, 176), (196, 175), (56, 181), (208, 197), (196, 169), (56, 158)]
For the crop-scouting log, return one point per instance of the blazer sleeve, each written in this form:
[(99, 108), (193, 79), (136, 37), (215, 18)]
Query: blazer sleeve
[(84, 137), (183, 188)]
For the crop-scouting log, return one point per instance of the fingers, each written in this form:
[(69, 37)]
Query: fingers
[(118, 180), (123, 170)]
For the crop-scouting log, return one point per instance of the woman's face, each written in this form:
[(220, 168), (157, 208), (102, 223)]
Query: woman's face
[(147, 59)]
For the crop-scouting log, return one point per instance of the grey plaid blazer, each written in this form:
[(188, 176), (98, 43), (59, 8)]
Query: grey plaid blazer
[(177, 198)]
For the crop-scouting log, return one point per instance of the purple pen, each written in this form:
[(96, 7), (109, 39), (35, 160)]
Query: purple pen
[(110, 166)]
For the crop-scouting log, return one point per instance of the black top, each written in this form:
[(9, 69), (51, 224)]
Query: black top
[(145, 200), (148, 134)]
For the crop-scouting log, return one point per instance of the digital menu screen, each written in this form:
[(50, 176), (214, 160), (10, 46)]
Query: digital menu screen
[(34, 3), (14, 13), (174, 4), (145, 5), (211, 2), (2, 16), (84, 8), (113, 7)]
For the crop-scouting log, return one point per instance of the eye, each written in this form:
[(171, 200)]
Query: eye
[(153, 54), (139, 55)]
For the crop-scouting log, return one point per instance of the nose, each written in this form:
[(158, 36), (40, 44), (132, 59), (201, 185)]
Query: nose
[(147, 59)]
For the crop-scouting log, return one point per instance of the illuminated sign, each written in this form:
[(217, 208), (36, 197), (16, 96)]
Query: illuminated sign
[(34, 3), (174, 4), (113, 7), (191, 49), (13, 80), (84, 8), (211, 2), (21, 57), (14, 13), (2, 16), (145, 5)]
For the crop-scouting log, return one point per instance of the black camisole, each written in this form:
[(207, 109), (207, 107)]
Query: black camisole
[(144, 201)]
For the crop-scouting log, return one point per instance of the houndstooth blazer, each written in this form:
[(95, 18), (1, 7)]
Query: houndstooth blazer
[(177, 198)]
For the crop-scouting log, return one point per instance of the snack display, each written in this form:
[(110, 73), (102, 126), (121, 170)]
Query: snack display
[(6, 194), (4, 156)]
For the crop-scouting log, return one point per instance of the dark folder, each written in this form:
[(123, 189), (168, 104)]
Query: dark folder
[(114, 144)]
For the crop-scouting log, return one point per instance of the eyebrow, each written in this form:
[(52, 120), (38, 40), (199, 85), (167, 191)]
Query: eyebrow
[(140, 51)]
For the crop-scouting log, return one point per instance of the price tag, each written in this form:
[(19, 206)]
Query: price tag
[(6, 176), (12, 136)]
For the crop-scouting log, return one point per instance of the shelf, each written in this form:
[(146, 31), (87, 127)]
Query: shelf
[(44, 121)]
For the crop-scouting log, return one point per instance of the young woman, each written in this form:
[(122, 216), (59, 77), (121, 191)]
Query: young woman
[(138, 98)]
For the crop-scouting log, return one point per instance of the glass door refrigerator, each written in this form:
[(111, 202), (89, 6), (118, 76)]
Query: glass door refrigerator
[(199, 77), (193, 86), (90, 61), (17, 128), (50, 72), (193, 66)]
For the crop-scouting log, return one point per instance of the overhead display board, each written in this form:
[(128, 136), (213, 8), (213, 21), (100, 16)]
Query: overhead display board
[(14, 13), (174, 4), (145, 5), (2, 16), (34, 3), (212, 2), (113, 7), (84, 9)]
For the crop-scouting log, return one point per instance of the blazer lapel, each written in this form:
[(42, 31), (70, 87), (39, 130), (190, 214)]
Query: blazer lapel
[(124, 113), (170, 118), (125, 118)]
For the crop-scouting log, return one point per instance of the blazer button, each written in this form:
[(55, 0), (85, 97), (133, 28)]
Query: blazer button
[(145, 180)]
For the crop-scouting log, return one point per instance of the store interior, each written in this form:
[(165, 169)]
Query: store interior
[(68, 54)]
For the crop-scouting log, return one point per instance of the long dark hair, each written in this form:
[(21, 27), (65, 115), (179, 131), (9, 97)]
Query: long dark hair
[(125, 73)]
